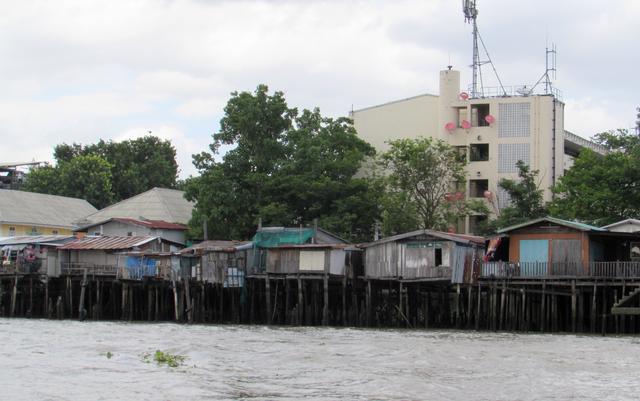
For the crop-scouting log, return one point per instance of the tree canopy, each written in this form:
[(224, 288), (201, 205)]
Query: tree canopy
[(601, 189), (284, 167), (526, 200), (422, 174), (119, 170)]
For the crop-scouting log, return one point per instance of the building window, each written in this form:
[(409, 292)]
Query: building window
[(461, 153), (513, 120), (477, 188), (478, 114), (54, 232), (476, 222), (130, 234), (509, 154), (12, 231), (479, 152), (461, 114)]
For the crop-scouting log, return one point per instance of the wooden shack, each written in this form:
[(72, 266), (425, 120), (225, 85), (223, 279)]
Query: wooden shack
[(331, 259), (424, 255), (549, 246), (103, 254), (31, 253), (217, 262)]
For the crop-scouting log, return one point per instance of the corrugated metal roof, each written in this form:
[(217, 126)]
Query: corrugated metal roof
[(566, 223), (155, 204), (36, 239), (216, 246), (104, 242), (157, 224), (464, 239), (34, 209)]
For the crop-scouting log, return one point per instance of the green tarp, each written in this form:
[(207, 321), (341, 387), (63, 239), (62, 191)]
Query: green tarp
[(285, 236)]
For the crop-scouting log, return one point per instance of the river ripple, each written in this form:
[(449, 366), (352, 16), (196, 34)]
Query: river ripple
[(66, 360)]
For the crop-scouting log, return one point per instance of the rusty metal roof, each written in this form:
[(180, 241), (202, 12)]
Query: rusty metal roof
[(157, 224), (460, 238), (215, 246), (36, 239), (107, 243)]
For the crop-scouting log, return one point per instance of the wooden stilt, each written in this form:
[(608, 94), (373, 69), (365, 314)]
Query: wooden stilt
[(543, 306), (287, 302), (325, 307), (594, 308), (46, 297), (188, 300), (267, 291), (344, 300), (503, 295), (479, 306), (175, 301), (523, 312), (574, 307), (82, 311), (368, 304), (14, 295), (300, 307)]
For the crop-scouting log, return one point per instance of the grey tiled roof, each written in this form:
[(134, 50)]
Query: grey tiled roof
[(155, 204), (30, 208)]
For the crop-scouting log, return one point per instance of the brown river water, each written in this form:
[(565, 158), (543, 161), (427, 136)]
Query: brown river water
[(67, 360)]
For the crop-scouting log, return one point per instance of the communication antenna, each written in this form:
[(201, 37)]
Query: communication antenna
[(549, 71), (471, 16)]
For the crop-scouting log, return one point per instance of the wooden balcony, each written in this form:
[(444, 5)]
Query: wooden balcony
[(539, 270)]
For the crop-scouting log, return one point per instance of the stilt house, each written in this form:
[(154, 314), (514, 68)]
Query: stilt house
[(424, 255)]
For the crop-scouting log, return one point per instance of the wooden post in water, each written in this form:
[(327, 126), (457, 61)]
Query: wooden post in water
[(82, 311), (175, 300), (523, 312), (458, 319), (325, 307), (287, 302), (543, 309), (469, 305), (554, 312), (574, 306), (479, 306), (14, 295), (426, 296), (344, 300), (188, 300), (503, 295), (59, 308), (46, 297), (400, 303), (267, 292), (594, 308), (368, 304)]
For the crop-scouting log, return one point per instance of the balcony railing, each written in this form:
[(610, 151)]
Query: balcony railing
[(563, 269), (77, 269)]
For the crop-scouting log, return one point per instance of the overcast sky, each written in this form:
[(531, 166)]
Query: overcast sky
[(78, 71)]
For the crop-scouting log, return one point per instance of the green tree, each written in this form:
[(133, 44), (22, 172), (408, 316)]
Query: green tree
[(89, 178), (135, 166), (85, 177), (618, 140), (283, 167), (44, 180), (426, 170), (526, 199), (600, 189)]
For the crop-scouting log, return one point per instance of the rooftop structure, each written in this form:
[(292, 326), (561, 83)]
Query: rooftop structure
[(164, 204), (30, 213)]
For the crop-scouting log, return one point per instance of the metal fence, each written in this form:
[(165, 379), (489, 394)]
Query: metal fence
[(563, 269)]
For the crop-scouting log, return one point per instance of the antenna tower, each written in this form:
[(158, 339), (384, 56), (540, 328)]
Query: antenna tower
[(471, 16), (550, 70)]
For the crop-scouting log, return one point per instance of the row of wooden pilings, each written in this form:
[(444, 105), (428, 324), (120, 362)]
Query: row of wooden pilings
[(529, 306)]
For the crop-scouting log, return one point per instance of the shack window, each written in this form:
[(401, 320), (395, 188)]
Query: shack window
[(54, 232), (478, 114), (477, 188), (479, 152), (12, 231)]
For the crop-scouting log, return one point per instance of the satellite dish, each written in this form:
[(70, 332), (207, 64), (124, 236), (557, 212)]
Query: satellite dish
[(524, 91), (450, 126), (464, 95), (488, 194), (489, 119), (465, 124)]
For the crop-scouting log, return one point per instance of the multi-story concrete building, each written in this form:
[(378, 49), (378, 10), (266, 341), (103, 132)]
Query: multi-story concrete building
[(492, 132)]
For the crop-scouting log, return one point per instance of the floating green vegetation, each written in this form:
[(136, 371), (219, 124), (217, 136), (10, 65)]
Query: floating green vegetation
[(108, 354), (165, 358)]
